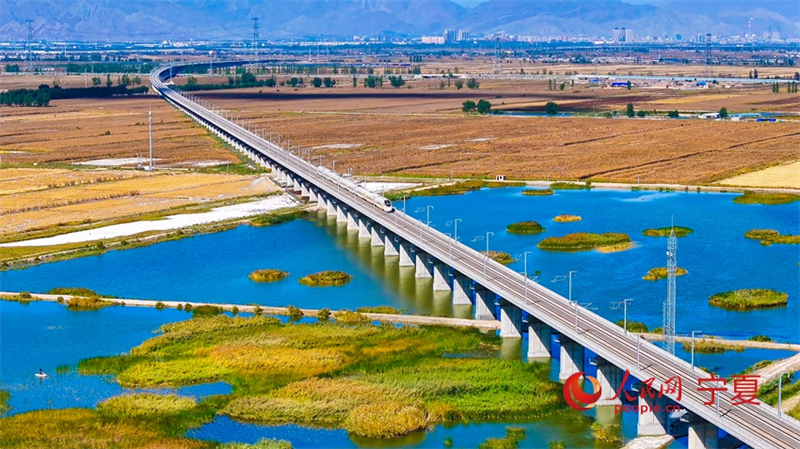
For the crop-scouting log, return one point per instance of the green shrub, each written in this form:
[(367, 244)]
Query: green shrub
[(323, 314), (664, 232), (710, 346), (525, 227), (499, 257), (326, 278), (206, 311), (25, 295), (160, 306), (634, 326), (60, 300), (346, 316), (147, 404), (276, 218), (761, 338), (746, 299), (258, 311), (658, 273), (188, 307), (295, 313), (268, 275), (766, 198), (537, 192), (235, 310), (180, 307), (581, 241)]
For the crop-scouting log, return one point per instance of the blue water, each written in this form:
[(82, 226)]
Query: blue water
[(214, 268)]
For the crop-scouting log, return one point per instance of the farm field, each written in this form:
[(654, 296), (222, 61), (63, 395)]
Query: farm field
[(784, 175), (79, 130), (102, 201), (622, 150)]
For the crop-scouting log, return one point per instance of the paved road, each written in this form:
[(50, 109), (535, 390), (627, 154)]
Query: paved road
[(757, 425)]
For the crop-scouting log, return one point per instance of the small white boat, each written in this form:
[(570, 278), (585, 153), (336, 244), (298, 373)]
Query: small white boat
[(41, 375)]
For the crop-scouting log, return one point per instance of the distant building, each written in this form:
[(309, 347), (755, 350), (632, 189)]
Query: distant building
[(462, 35), (450, 35), (622, 35), (438, 40)]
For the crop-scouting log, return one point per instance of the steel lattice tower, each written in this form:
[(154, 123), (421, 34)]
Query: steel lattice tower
[(669, 303), (255, 38)]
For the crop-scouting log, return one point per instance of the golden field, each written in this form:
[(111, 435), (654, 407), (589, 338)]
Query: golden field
[(783, 175), (91, 203)]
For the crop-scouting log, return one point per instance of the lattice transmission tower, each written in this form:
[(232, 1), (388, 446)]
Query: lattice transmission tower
[(255, 38), (669, 303)]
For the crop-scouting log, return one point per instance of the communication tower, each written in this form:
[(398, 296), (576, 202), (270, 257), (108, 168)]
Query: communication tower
[(669, 304), (255, 39)]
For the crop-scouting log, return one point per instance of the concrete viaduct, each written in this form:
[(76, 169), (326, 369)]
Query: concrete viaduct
[(522, 306)]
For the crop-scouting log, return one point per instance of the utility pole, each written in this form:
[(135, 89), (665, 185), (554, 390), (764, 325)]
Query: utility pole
[(150, 119), (669, 303), (693, 334)]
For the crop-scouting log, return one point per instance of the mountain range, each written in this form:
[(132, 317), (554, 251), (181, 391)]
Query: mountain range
[(149, 20)]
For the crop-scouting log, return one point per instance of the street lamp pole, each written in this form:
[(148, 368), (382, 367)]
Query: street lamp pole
[(455, 222), (625, 314), (486, 259), (693, 333), (525, 272), (570, 283), (428, 215)]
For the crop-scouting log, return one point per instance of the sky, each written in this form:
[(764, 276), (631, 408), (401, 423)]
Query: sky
[(473, 3)]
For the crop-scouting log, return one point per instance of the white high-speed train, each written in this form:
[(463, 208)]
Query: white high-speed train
[(375, 199)]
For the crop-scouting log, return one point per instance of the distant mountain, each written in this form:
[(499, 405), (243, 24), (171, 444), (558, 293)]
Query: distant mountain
[(102, 20)]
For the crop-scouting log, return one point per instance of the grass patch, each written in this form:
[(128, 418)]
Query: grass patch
[(499, 257), (276, 218), (525, 227), (458, 188), (607, 434), (570, 186), (264, 443), (511, 441), (79, 303), (746, 299), (770, 236), (766, 198), (5, 396), (73, 291), (658, 273), (372, 380), (326, 278), (380, 309), (566, 218), (349, 317), (268, 275), (537, 192), (583, 241), (634, 326), (147, 404), (680, 231), (768, 392), (711, 346)]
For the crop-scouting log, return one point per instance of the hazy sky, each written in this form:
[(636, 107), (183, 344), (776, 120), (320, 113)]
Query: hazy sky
[(472, 3)]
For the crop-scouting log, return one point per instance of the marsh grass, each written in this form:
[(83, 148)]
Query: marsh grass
[(74, 291), (389, 310), (373, 380), (766, 198), (747, 299), (511, 441), (264, 443), (680, 231), (655, 274), (634, 326), (525, 227), (78, 303), (768, 392), (710, 346), (326, 278), (277, 218), (570, 186), (268, 275), (206, 311), (5, 396), (607, 434), (147, 404), (537, 192), (346, 316), (566, 218), (583, 241), (500, 257), (770, 236)]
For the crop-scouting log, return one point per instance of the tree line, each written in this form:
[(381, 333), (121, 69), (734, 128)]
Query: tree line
[(41, 97)]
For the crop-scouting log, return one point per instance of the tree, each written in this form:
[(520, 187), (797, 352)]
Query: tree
[(674, 114), (472, 83), (629, 110), (12, 68), (109, 83), (629, 85), (468, 106), (641, 114), (355, 82), (755, 73), (484, 107), (96, 81), (442, 84), (317, 82), (549, 84), (723, 113), (328, 82), (396, 81), (562, 86), (551, 108), (459, 84), (190, 81)]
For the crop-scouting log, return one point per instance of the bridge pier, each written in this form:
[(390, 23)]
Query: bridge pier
[(538, 339), (462, 290), (424, 270), (484, 304), (406, 256), (510, 320), (304, 192), (571, 358), (441, 277), (610, 378), (330, 206), (341, 213), (295, 184), (363, 228), (375, 234), (652, 423), (352, 221), (702, 434), (390, 244)]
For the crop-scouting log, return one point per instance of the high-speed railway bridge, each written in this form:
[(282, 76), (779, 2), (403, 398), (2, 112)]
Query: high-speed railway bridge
[(522, 305)]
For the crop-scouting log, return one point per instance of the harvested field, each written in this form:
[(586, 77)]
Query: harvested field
[(784, 175), (144, 193), (75, 130), (624, 150)]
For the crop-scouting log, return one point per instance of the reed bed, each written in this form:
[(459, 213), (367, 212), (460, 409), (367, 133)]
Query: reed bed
[(583, 241), (680, 231), (766, 198), (525, 227), (770, 236), (268, 275), (655, 274), (537, 192), (326, 278), (747, 299), (566, 218)]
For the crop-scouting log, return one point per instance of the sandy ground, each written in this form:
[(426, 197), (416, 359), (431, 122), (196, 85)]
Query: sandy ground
[(118, 162), (169, 223), (787, 175)]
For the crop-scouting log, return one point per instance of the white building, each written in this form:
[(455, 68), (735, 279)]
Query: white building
[(438, 40)]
